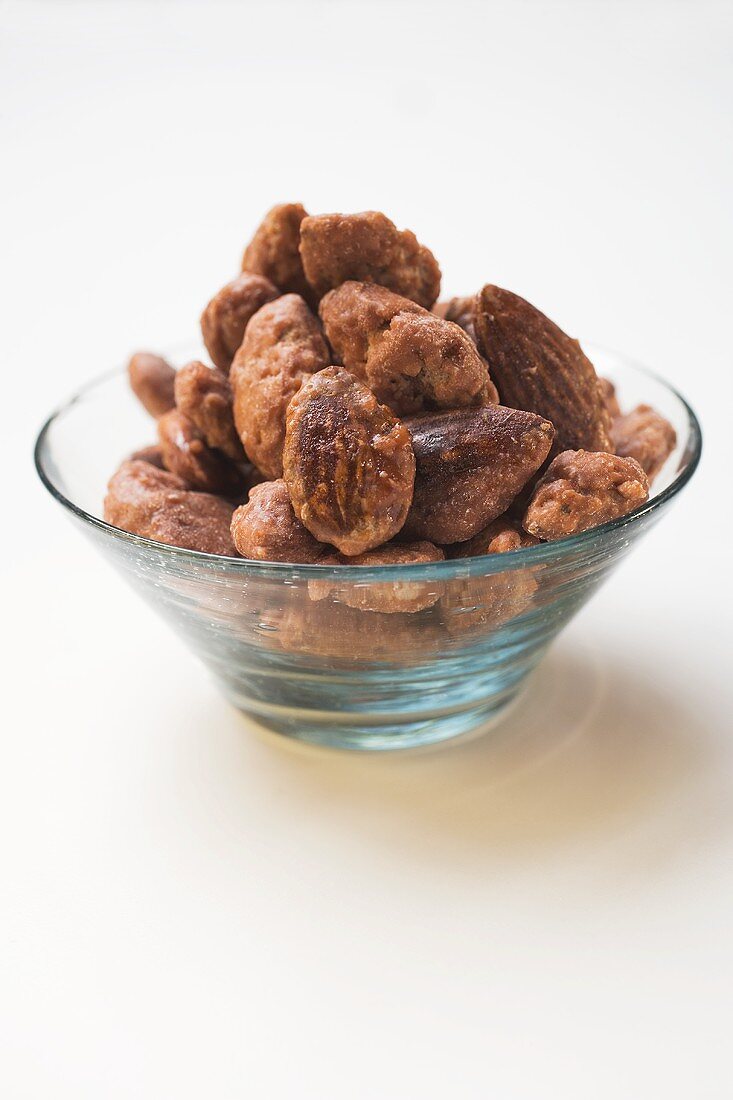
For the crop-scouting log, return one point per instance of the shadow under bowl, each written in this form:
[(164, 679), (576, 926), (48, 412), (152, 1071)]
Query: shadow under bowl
[(319, 669)]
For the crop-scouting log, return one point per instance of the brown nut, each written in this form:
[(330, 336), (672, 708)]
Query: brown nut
[(475, 605), (412, 360), (582, 489), (226, 316), (267, 529), (157, 505), (274, 250), (388, 597), (538, 368), (152, 455), (186, 453), (471, 464), (348, 463), (312, 630), (367, 247), (608, 397), (151, 380), (645, 435), (205, 397), (462, 311), (283, 345), (500, 536)]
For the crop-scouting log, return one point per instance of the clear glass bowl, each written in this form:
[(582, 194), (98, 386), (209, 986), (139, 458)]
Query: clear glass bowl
[(319, 669)]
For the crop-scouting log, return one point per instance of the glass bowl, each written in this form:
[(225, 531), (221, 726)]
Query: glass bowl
[(294, 653)]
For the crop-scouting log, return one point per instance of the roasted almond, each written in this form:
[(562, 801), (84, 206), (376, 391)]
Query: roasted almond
[(471, 464), (536, 367)]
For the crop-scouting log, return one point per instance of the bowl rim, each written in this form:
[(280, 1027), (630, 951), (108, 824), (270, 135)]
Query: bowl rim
[(482, 563)]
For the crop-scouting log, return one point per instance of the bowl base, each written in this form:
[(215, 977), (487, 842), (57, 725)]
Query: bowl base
[(370, 732)]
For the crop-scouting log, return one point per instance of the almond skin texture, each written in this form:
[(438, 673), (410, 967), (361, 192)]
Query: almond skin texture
[(205, 397), (582, 489), (267, 529), (275, 253), (537, 367), (367, 247), (471, 464), (226, 316), (187, 454), (391, 597), (158, 505), (282, 346), (151, 380), (645, 435), (348, 463), (412, 360)]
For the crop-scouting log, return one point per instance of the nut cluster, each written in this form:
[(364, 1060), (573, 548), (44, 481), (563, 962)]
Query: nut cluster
[(348, 417)]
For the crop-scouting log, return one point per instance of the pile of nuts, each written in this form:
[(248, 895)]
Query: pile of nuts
[(349, 419)]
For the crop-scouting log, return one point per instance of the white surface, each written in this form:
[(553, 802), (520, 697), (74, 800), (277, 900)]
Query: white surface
[(190, 909)]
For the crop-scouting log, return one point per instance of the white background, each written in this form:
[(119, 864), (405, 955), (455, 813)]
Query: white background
[(189, 908)]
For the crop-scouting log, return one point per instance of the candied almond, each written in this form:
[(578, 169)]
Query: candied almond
[(348, 463), (582, 489), (152, 454), (387, 597), (282, 346), (498, 537), (187, 454), (151, 380), (226, 316), (369, 248), (158, 505), (267, 529), (645, 435), (462, 311), (412, 360), (274, 250), (608, 397), (470, 465), (537, 367), (474, 605), (204, 395)]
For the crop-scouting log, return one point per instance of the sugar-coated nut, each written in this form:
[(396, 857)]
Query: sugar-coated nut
[(412, 360), (645, 435), (388, 597), (367, 247), (274, 250), (347, 462), (609, 398), (471, 464), (267, 529), (462, 311), (152, 455), (151, 380), (205, 397), (283, 345), (537, 367), (158, 505), (476, 604), (226, 316), (311, 630), (582, 489), (498, 537), (187, 454)]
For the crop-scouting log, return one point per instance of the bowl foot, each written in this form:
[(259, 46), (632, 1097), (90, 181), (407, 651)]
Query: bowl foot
[(374, 731)]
